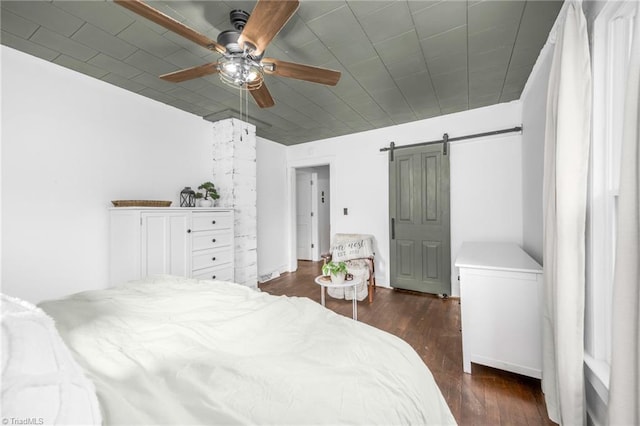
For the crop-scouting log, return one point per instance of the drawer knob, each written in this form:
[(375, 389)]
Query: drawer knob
[(213, 277), (213, 241), (188, 231), (213, 259), (213, 222)]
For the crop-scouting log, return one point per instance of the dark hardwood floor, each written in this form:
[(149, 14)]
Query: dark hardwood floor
[(432, 326)]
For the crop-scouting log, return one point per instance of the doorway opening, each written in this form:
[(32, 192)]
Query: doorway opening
[(311, 208), (312, 212)]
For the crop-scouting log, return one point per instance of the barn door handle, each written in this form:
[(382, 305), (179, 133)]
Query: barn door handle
[(393, 228)]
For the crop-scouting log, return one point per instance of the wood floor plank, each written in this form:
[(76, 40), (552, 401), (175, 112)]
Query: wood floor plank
[(432, 327)]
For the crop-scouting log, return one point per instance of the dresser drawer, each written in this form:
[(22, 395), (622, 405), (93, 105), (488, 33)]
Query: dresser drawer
[(222, 273), (205, 221), (211, 258), (204, 240)]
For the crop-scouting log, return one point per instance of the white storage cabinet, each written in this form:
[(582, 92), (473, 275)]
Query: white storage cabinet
[(501, 308), (195, 243)]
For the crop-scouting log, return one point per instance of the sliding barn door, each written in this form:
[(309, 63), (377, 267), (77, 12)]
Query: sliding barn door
[(419, 211)]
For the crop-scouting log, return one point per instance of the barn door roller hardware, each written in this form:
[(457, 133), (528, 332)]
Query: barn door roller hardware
[(446, 139)]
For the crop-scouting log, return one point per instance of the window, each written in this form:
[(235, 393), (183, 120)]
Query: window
[(611, 52)]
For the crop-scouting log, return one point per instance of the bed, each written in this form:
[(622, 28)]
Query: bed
[(170, 350)]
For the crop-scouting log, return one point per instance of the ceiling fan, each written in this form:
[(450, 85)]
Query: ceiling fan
[(242, 64)]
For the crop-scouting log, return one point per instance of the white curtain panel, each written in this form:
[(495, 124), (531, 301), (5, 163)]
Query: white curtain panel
[(566, 159), (624, 387)]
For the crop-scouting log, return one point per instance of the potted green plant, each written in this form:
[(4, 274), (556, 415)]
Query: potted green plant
[(336, 270), (208, 194)]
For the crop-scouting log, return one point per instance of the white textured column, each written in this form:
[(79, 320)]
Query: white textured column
[(234, 174)]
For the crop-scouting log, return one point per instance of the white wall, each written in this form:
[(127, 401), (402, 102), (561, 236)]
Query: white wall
[(486, 184), (84, 142), (486, 197), (271, 160), (534, 104), (70, 144)]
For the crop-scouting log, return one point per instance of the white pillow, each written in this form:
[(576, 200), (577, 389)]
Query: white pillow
[(351, 248), (41, 382)]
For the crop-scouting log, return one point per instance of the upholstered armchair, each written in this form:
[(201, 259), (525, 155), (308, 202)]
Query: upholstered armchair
[(356, 250)]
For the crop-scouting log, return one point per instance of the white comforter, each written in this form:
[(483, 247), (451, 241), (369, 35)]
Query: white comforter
[(176, 351)]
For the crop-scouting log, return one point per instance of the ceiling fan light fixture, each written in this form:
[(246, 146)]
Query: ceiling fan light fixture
[(241, 72), (230, 67)]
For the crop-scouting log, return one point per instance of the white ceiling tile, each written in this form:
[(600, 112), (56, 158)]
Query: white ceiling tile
[(429, 58), (104, 42), (82, 67), (393, 102), (372, 75), (494, 13), (28, 46), (418, 91), (491, 60), (492, 38), (402, 45), (16, 25), (45, 14), (405, 66), (114, 66), (451, 42), (62, 44), (153, 82), (144, 38), (313, 9), (364, 7), (441, 17), (453, 85), (446, 64), (295, 33), (125, 83), (149, 63), (376, 24), (418, 5), (105, 15)]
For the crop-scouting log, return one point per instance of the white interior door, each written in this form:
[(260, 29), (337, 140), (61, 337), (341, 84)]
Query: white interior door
[(324, 210), (303, 215)]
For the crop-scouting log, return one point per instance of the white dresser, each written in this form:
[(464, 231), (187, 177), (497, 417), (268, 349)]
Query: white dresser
[(501, 307), (195, 243)]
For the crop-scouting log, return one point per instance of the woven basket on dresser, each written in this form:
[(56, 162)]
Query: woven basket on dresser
[(141, 203)]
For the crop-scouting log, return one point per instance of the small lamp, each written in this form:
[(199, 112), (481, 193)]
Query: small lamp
[(187, 197)]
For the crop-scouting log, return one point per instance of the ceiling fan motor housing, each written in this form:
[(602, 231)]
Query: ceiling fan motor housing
[(229, 39), (238, 19)]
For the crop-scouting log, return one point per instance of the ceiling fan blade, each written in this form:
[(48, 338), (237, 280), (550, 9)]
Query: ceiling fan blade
[(262, 96), (171, 24), (266, 20), (302, 72), (190, 73)]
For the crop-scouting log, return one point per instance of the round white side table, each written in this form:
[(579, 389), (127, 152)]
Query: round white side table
[(325, 282)]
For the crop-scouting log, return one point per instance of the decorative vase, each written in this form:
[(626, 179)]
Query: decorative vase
[(338, 278), (205, 202)]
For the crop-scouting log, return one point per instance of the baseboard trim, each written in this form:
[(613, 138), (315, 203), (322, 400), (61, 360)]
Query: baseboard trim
[(273, 274)]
